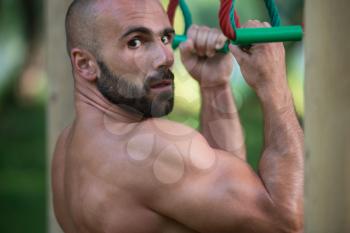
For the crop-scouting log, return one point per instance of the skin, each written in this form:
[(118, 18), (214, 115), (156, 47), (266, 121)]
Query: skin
[(114, 171)]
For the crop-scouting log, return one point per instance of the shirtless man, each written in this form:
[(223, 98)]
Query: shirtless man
[(120, 168)]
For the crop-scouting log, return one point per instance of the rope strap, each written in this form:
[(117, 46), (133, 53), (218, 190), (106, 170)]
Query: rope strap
[(273, 13), (225, 19), (172, 10), (229, 20), (173, 4)]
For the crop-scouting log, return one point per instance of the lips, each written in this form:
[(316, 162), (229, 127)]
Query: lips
[(161, 84)]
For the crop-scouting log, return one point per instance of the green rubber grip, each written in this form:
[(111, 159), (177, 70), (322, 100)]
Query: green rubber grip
[(248, 36)]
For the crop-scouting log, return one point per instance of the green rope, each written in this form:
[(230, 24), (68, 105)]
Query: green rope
[(232, 16), (273, 13), (187, 15), (188, 22)]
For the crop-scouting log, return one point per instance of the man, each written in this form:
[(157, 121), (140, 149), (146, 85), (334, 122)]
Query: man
[(121, 168)]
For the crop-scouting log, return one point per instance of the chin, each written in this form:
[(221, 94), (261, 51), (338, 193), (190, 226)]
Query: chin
[(162, 109)]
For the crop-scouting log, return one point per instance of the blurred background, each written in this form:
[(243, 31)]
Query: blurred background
[(23, 99)]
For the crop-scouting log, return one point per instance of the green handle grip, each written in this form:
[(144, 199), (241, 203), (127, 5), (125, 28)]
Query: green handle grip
[(248, 36)]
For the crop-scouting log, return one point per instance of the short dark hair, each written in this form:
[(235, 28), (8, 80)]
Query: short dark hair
[(80, 25)]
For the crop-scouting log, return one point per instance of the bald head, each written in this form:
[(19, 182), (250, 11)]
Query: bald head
[(82, 30), (80, 25), (122, 47)]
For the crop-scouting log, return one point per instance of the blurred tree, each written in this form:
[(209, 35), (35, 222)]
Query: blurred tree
[(22, 128), (327, 186), (21, 37), (60, 105)]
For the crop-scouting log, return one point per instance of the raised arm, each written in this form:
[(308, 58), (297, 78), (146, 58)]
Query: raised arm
[(220, 123), (227, 195), (263, 67)]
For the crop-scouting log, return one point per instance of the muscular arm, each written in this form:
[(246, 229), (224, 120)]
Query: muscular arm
[(218, 192), (220, 123), (283, 150), (264, 70), (214, 191)]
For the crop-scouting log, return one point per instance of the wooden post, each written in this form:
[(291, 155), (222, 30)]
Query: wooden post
[(327, 116), (60, 103)]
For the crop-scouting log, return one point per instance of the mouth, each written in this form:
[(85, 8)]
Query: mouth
[(161, 85)]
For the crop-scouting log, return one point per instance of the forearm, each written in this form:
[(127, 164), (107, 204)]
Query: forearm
[(281, 166), (220, 123)]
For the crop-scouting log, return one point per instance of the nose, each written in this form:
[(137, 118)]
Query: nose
[(163, 56)]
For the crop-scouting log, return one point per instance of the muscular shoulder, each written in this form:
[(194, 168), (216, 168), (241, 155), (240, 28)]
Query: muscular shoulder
[(177, 140), (165, 152), (158, 135)]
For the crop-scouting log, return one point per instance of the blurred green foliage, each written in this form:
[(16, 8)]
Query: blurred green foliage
[(22, 124), (22, 169)]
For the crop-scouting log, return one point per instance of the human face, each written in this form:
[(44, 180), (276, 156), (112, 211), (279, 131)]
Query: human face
[(135, 56), (139, 100)]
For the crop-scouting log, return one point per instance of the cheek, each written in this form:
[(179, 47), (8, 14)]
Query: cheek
[(126, 67), (143, 60)]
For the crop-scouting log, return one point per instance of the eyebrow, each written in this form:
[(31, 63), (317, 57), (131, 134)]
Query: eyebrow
[(147, 31)]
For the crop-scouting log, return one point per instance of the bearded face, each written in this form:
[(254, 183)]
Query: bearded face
[(154, 99)]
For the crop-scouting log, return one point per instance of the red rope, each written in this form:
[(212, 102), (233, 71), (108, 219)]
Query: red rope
[(225, 21), (224, 16), (172, 10)]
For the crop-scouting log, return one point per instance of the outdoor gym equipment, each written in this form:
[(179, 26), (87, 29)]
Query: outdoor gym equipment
[(230, 25)]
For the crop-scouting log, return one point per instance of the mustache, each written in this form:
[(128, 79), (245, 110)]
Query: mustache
[(161, 75)]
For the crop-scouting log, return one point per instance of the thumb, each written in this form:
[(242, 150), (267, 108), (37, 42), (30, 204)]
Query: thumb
[(238, 53), (187, 49)]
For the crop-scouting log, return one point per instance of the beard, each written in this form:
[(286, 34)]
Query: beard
[(135, 99)]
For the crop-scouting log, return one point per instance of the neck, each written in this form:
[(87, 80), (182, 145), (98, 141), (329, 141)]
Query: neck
[(89, 99)]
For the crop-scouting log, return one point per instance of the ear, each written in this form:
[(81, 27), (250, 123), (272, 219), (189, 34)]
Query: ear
[(84, 64)]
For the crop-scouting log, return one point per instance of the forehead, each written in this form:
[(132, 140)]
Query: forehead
[(122, 14)]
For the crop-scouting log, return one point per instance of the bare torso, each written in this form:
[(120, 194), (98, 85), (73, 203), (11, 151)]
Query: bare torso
[(84, 193)]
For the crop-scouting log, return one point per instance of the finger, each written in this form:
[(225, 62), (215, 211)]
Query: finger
[(238, 54), (187, 49), (192, 32), (188, 54), (256, 23), (221, 41), (252, 24), (201, 41), (214, 34), (266, 24)]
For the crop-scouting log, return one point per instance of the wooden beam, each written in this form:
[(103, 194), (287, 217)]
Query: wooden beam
[(60, 103), (327, 116)]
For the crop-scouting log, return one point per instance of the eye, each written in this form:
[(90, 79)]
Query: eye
[(134, 43), (166, 39)]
